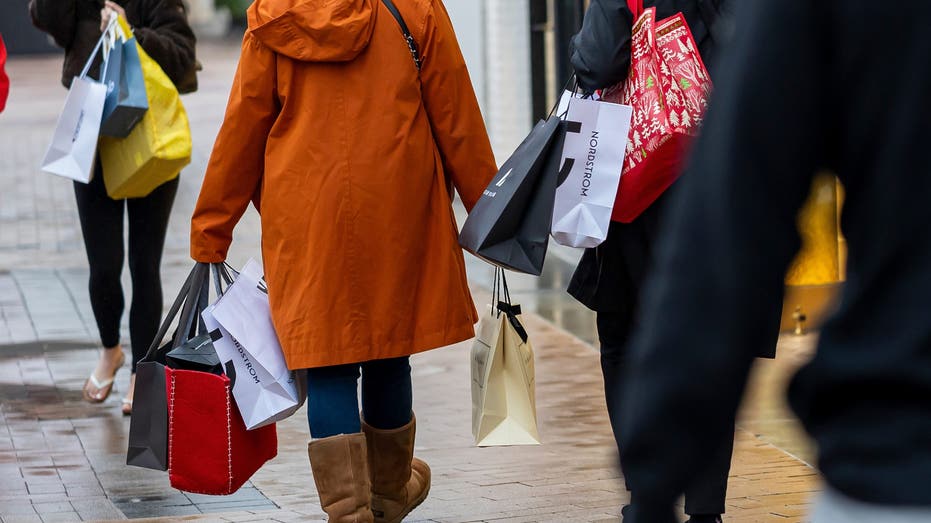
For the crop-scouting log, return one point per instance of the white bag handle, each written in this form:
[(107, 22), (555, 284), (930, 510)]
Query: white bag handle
[(109, 36)]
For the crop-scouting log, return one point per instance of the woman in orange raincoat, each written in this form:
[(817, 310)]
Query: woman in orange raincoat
[(350, 154)]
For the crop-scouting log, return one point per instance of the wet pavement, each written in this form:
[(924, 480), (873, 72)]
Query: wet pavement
[(62, 459)]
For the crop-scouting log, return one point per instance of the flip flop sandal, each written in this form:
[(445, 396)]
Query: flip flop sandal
[(101, 385)]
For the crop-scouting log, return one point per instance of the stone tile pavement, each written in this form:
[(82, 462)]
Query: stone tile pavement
[(63, 460)]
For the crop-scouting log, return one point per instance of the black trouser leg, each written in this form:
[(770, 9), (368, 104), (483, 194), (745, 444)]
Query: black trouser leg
[(613, 332), (102, 228), (708, 490), (148, 225), (707, 493)]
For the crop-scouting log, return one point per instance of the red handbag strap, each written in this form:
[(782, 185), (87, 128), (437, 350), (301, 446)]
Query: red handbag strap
[(636, 7)]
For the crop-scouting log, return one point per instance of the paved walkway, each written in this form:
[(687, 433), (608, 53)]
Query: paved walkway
[(63, 460)]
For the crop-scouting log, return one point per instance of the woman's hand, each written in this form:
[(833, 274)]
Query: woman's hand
[(110, 9)]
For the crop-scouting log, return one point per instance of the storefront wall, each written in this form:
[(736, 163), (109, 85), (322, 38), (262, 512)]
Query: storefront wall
[(18, 33)]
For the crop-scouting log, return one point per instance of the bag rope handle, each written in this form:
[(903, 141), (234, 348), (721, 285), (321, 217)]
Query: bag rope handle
[(221, 275), (505, 306), (172, 312), (109, 32)]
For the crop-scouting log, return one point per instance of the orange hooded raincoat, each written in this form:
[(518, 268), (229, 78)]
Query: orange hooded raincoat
[(349, 151)]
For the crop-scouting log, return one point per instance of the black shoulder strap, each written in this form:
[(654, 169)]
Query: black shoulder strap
[(411, 43)]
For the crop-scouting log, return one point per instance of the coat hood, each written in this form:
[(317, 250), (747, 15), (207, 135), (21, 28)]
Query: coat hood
[(313, 30)]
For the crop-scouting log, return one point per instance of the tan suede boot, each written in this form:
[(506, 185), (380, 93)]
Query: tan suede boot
[(341, 474), (400, 481)]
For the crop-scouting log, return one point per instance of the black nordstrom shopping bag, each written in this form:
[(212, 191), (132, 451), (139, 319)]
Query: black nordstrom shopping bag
[(148, 427), (510, 224)]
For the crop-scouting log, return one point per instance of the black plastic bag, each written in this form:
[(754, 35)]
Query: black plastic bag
[(148, 428), (197, 354)]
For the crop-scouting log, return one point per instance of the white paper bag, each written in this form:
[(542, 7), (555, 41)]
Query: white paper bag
[(595, 145), (73, 150), (504, 407), (264, 389)]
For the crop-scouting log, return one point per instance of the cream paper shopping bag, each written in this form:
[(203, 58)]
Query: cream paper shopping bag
[(503, 387)]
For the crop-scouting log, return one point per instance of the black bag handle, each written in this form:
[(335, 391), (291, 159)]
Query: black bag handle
[(221, 275), (203, 301), (187, 324), (411, 42), (572, 81), (215, 269), (192, 300), (502, 297), (172, 312)]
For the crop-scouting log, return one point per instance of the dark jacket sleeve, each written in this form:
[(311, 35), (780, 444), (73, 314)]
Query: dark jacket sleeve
[(600, 53), (167, 37), (729, 239), (718, 18), (55, 17)]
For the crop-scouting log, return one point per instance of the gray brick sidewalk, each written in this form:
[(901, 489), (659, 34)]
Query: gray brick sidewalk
[(44, 304), (62, 459)]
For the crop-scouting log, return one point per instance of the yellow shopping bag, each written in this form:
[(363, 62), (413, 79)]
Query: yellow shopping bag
[(158, 147)]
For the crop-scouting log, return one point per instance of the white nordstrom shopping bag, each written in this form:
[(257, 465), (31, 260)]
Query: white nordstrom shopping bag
[(595, 144), (74, 145), (73, 150), (264, 389)]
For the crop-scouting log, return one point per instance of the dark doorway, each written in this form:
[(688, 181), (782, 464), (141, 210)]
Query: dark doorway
[(539, 19), (552, 24)]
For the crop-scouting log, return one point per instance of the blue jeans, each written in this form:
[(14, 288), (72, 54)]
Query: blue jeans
[(333, 396)]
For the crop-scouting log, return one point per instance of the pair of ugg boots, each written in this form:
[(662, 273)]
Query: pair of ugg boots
[(369, 477)]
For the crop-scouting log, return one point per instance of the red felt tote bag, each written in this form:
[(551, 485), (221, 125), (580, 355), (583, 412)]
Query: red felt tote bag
[(668, 87), (209, 449)]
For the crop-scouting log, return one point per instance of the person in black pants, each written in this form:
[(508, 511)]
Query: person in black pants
[(865, 396), (161, 28), (609, 280), (102, 228), (609, 277)]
